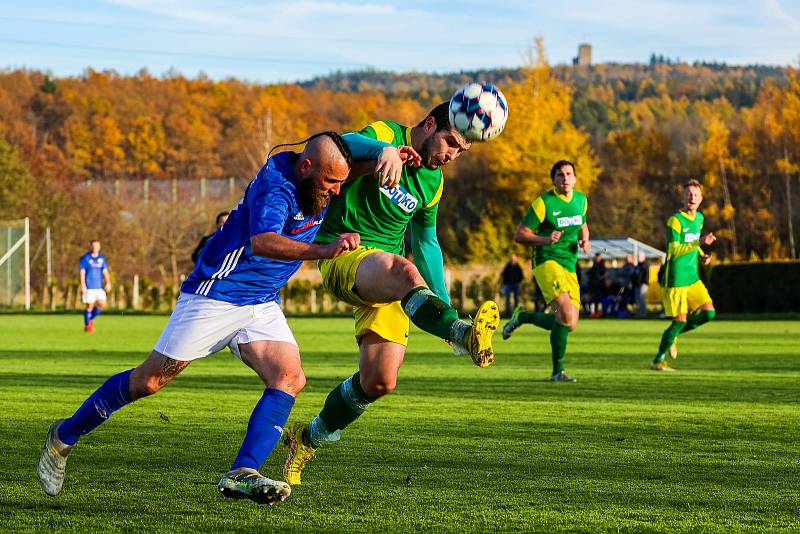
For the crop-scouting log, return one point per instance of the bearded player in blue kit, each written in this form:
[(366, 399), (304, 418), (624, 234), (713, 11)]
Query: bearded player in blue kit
[(231, 299)]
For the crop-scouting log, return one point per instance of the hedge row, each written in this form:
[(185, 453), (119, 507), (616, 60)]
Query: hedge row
[(755, 287)]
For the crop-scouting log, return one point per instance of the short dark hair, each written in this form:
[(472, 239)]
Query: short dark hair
[(692, 183), (558, 164), (221, 215), (440, 114), (94, 241)]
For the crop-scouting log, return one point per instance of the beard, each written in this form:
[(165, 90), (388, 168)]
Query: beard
[(312, 200), (425, 154)]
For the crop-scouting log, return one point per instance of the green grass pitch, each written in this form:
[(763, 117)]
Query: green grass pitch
[(711, 448)]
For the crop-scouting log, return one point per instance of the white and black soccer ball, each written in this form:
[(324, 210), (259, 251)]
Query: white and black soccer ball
[(479, 111)]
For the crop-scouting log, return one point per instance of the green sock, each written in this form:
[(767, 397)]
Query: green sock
[(667, 339), (433, 315), (540, 319), (344, 404), (698, 319), (558, 344)]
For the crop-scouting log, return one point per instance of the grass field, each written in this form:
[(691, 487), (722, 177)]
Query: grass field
[(711, 448)]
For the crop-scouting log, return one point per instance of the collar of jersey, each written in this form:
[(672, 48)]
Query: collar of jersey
[(686, 214), (407, 135), (564, 197)]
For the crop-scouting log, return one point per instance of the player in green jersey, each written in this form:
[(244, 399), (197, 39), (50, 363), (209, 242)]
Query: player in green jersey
[(555, 226), (686, 299), (384, 288)]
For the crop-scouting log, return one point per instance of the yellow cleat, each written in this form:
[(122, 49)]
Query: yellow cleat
[(295, 438), (661, 366), (478, 341), (673, 350)]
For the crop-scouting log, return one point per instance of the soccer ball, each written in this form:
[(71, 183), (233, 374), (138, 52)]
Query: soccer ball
[(478, 111)]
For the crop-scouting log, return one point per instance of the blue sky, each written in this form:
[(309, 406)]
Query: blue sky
[(270, 41)]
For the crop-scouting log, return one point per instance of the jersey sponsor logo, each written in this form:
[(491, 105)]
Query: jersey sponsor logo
[(306, 226), (691, 238), (570, 221), (405, 200)]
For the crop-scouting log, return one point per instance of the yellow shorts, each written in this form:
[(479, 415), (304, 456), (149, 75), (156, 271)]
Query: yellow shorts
[(553, 279), (686, 299), (388, 320)]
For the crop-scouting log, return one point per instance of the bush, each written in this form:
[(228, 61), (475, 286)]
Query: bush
[(755, 287)]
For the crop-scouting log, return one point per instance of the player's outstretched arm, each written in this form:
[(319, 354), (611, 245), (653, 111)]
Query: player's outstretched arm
[(277, 247)]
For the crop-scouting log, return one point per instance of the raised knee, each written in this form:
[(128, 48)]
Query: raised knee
[(407, 271)]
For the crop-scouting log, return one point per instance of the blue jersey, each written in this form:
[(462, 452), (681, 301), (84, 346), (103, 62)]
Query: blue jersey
[(227, 269), (93, 265)]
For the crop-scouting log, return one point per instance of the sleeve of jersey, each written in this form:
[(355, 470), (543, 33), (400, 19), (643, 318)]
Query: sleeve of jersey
[(269, 208), (535, 214), (81, 264), (428, 258), (363, 147), (674, 246)]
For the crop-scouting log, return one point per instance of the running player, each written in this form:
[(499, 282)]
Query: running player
[(95, 281), (385, 288), (686, 299), (555, 226), (231, 299)]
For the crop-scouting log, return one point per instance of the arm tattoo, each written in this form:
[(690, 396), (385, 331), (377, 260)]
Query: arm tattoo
[(169, 370)]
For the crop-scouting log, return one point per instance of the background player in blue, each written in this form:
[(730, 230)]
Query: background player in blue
[(95, 281), (231, 299)]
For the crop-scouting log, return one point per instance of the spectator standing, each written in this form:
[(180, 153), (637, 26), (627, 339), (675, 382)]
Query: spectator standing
[(642, 284), (512, 277), (221, 218), (597, 284)]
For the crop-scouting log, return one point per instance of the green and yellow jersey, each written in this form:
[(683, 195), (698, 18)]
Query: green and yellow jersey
[(553, 211), (683, 249), (381, 215)]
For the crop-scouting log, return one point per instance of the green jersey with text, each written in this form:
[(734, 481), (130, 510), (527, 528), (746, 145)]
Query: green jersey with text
[(551, 212), (379, 214), (683, 249)]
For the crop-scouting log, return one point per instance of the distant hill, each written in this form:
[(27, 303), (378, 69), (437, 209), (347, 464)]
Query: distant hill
[(629, 82)]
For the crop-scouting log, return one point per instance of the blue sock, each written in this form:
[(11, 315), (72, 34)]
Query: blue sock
[(95, 312), (87, 316), (264, 428), (107, 399)]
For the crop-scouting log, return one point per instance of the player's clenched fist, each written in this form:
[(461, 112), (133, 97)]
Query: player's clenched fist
[(555, 236), (344, 243)]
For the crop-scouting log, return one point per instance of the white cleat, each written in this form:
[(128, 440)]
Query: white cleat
[(53, 462), (246, 483)]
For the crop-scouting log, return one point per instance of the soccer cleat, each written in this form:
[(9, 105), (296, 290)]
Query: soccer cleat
[(53, 462), (562, 377), (295, 438), (673, 350), (89, 328), (512, 324), (478, 341), (246, 483), (661, 366)]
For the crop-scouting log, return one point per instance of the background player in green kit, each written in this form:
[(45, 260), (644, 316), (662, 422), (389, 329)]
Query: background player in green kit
[(686, 299), (384, 288), (555, 225)]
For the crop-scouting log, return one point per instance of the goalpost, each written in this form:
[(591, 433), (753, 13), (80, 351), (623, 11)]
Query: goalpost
[(15, 263)]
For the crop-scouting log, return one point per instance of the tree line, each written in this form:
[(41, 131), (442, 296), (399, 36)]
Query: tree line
[(635, 132)]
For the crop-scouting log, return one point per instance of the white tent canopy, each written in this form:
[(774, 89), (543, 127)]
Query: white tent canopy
[(616, 248)]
